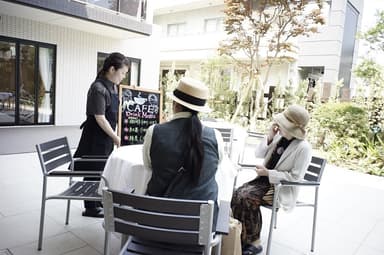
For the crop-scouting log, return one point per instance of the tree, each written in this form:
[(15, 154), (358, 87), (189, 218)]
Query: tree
[(375, 35), (372, 74), (216, 73), (259, 35)]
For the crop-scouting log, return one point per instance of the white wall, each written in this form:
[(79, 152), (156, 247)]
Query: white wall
[(195, 44), (77, 60), (194, 18), (359, 5)]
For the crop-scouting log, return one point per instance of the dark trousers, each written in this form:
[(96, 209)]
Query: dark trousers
[(90, 166), (246, 201)]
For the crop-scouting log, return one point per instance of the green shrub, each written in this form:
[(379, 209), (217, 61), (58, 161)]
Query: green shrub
[(341, 131), (332, 122), (372, 160)]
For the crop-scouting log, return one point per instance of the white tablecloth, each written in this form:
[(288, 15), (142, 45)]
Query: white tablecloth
[(124, 171), (5, 95)]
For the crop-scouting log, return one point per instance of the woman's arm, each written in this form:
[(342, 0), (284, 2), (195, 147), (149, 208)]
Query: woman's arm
[(106, 127)]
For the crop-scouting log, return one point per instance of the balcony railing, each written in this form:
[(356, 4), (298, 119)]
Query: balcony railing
[(133, 8)]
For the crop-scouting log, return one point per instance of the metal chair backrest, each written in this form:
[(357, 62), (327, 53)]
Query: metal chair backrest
[(53, 154), (247, 154), (159, 219), (153, 221), (315, 169), (227, 134)]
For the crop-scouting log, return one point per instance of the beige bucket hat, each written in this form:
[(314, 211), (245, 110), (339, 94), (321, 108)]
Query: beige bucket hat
[(191, 93), (293, 120)]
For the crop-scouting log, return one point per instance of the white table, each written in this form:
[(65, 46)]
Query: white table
[(124, 171), (5, 95)]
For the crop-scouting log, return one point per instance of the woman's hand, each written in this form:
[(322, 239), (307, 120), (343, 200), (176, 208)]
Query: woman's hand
[(272, 132), (116, 141), (261, 170)]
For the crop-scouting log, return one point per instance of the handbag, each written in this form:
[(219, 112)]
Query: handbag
[(231, 243), (175, 180), (177, 177)]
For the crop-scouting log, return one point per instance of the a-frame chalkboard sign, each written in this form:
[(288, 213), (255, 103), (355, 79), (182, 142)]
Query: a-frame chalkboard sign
[(139, 108)]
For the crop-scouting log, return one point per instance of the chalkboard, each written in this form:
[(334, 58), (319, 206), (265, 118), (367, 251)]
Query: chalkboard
[(139, 109)]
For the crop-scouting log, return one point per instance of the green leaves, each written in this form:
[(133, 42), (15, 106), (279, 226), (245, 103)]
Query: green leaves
[(375, 35), (260, 35)]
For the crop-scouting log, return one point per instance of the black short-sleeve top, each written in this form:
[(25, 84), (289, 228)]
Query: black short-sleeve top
[(99, 98)]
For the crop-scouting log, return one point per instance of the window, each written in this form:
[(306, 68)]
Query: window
[(135, 8), (178, 73), (213, 25), (108, 4), (130, 7), (133, 75), (176, 29), (27, 82)]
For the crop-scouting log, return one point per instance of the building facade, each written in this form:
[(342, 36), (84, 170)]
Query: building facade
[(50, 51), (192, 30)]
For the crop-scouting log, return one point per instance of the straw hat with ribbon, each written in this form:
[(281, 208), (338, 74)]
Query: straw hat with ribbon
[(293, 120), (191, 93)]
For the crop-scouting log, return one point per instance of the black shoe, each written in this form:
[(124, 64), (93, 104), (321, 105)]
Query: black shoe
[(93, 212), (250, 249)]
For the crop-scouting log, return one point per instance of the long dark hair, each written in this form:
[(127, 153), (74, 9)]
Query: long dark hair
[(194, 156), (115, 59)]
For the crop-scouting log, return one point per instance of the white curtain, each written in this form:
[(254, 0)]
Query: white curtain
[(134, 73), (45, 66)]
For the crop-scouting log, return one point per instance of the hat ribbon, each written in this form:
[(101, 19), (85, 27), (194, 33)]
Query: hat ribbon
[(188, 98), (301, 127)]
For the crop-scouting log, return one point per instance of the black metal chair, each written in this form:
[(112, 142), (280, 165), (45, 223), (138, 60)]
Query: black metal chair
[(161, 225), (312, 178), (55, 156), (227, 134)]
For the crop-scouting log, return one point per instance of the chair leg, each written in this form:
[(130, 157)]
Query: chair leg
[(67, 213), (107, 241), (124, 239), (42, 214), (216, 249), (314, 219), (273, 219), (207, 250), (275, 224), (125, 246)]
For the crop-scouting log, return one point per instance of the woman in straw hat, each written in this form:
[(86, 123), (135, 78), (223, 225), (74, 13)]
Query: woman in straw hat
[(286, 157), (182, 154)]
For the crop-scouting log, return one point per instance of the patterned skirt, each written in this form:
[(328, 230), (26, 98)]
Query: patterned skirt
[(245, 204)]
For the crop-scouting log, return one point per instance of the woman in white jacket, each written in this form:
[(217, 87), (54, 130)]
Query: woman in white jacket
[(286, 157)]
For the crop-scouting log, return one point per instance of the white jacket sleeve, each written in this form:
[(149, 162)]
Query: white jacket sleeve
[(147, 147)]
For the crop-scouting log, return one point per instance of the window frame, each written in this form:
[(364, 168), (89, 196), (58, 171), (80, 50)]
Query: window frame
[(129, 73), (17, 121), (177, 25), (219, 24)]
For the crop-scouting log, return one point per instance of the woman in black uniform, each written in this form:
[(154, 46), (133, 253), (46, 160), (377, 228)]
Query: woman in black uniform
[(98, 136)]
